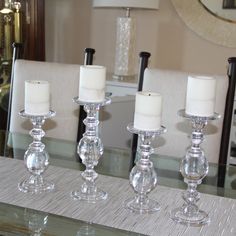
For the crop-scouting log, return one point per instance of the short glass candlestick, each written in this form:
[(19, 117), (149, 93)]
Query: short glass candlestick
[(90, 149), (193, 167), (36, 158), (143, 177)]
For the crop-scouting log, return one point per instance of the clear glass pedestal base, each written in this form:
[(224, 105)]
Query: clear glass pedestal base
[(180, 216), (150, 206), (29, 186), (88, 197)]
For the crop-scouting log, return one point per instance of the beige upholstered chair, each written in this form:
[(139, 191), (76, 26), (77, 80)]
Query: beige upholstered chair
[(172, 85), (64, 83)]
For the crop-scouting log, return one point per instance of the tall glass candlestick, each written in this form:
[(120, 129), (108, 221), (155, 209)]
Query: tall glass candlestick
[(90, 149), (36, 158), (143, 177), (193, 167)]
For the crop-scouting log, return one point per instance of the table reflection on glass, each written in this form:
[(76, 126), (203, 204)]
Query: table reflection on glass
[(21, 221)]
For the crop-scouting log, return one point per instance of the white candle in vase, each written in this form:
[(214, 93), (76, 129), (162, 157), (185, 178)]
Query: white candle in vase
[(37, 96), (148, 107), (200, 97), (92, 83)]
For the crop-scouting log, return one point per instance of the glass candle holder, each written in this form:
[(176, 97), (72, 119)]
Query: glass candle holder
[(90, 149), (193, 167), (36, 158), (143, 177)]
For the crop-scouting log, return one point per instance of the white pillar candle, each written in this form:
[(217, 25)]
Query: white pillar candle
[(37, 96), (200, 97), (148, 106), (92, 83)]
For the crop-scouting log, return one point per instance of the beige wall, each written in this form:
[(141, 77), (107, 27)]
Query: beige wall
[(72, 25), (67, 29)]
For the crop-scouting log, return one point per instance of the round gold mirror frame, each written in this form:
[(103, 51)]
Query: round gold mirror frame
[(208, 26)]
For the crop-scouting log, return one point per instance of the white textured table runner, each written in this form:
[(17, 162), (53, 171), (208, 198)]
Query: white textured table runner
[(111, 213)]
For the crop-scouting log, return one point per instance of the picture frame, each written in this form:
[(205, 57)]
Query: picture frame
[(229, 4)]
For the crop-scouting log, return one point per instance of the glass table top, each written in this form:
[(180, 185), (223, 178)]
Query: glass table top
[(117, 162), (16, 220), (21, 221)]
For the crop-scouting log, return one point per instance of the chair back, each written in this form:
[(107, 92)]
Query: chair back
[(172, 85), (64, 83), (17, 51)]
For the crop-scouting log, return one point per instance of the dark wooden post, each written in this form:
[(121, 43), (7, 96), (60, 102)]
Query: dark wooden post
[(227, 122), (144, 57), (88, 57), (88, 60)]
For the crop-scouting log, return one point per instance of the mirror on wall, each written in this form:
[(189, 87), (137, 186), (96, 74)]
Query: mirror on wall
[(199, 18), (224, 9)]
